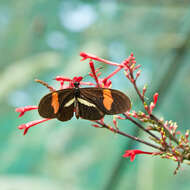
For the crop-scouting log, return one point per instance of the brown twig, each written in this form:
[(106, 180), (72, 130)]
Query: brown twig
[(129, 136), (141, 127)]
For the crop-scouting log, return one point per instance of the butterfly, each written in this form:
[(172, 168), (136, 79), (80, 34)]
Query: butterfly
[(87, 103)]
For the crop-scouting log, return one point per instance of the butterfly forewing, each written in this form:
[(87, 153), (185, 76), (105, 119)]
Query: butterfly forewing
[(121, 103), (109, 101), (44, 108), (53, 105)]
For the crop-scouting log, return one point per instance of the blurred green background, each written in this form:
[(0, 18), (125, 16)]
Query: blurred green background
[(42, 39)]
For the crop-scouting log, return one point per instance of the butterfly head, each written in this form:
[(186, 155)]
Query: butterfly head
[(76, 81), (76, 84)]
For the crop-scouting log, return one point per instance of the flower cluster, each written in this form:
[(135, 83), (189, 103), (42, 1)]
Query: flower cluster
[(164, 137)]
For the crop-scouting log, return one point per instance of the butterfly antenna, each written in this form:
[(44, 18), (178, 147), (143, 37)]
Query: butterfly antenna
[(45, 84)]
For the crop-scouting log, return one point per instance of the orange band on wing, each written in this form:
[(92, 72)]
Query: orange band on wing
[(55, 102), (108, 100)]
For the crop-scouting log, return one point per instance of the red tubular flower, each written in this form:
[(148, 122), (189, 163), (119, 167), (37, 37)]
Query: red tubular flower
[(91, 63), (187, 134), (155, 97), (137, 67), (130, 61), (144, 90), (119, 117), (151, 107), (115, 122), (77, 79), (132, 153), (84, 55), (138, 74), (63, 79), (89, 56), (97, 126), (106, 83), (134, 114), (61, 85), (22, 110), (31, 124), (93, 57), (153, 104)]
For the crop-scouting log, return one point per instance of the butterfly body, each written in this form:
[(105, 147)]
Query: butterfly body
[(87, 103)]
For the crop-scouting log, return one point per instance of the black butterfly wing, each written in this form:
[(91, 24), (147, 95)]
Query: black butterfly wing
[(54, 105), (109, 101)]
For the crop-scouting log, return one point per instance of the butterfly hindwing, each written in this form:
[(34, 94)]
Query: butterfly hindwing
[(66, 109), (88, 109)]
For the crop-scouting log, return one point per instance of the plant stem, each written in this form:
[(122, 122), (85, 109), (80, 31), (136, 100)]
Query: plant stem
[(151, 115), (130, 136), (141, 127)]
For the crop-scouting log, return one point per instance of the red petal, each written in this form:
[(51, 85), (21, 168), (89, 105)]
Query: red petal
[(155, 98), (132, 153), (31, 124), (132, 157)]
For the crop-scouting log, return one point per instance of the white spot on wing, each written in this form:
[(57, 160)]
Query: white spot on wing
[(69, 102), (82, 101)]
